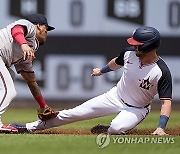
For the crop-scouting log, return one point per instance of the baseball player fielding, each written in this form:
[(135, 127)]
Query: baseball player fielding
[(19, 42)]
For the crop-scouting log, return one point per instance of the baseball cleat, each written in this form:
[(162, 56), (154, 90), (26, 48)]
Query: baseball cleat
[(98, 129), (21, 128), (8, 129)]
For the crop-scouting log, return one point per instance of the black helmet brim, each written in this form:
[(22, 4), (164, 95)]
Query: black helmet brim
[(49, 28)]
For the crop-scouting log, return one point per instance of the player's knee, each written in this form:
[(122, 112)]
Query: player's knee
[(12, 93), (117, 128)]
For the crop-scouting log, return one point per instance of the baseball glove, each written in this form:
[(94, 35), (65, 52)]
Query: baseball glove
[(98, 129), (46, 113)]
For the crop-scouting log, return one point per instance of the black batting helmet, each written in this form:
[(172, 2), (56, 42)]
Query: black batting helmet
[(147, 38)]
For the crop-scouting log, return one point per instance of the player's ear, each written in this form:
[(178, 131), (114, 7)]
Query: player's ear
[(38, 27), (39, 30)]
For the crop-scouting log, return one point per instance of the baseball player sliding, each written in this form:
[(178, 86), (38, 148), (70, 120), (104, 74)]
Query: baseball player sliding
[(145, 75), (18, 43)]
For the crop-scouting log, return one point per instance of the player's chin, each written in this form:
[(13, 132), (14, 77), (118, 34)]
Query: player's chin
[(138, 55)]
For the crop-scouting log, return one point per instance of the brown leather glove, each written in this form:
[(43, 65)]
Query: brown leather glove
[(46, 113)]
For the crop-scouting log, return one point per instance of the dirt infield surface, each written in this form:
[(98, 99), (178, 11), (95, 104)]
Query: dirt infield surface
[(172, 132)]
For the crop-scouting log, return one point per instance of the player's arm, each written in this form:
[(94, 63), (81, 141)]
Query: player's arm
[(111, 66), (164, 117), (30, 79), (18, 33), (44, 112), (165, 94), (114, 64)]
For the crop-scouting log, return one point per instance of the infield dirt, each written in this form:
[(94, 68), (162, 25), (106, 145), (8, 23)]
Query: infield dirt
[(171, 132)]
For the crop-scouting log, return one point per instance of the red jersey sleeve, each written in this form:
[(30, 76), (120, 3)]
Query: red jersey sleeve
[(18, 34)]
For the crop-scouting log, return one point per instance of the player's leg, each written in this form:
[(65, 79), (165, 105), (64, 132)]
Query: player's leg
[(99, 106), (127, 119), (7, 89)]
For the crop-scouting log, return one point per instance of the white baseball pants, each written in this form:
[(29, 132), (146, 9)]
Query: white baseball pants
[(7, 89), (105, 104)]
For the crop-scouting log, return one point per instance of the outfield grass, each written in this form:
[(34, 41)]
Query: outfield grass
[(66, 144), (74, 144)]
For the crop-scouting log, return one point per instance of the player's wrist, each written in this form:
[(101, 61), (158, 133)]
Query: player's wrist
[(163, 121), (105, 69), (24, 43), (41, 101)]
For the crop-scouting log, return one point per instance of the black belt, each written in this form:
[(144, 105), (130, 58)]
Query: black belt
[(134, 106)]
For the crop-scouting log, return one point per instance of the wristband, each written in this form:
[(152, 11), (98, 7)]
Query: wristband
[(41, 101), (105, 69), (163, 121)]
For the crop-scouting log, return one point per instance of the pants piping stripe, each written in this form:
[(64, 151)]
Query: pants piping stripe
[(4, 83)]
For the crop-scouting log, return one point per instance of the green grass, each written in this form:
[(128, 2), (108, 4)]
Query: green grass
[(74, 144), (77, 144)]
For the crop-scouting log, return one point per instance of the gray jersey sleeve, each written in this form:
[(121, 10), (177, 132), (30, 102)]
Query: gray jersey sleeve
[(30, 28), (24, 66), (30, 38), (11, 51), (30, 32)]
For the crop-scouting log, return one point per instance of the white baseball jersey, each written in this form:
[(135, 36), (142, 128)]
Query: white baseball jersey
[(139, 84), (11, 52)]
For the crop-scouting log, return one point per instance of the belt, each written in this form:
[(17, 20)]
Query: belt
[(134, 106)]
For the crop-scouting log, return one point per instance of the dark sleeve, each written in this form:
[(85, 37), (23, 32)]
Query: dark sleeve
[(24, 66), (120, 59), (165, 82)]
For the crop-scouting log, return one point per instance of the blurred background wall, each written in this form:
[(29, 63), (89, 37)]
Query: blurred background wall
[(88, 34)]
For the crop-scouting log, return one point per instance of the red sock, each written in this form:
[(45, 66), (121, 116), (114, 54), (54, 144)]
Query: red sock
[(41, 101)]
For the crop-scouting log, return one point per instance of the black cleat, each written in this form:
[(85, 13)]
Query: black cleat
[(98, 129), (20, 127)]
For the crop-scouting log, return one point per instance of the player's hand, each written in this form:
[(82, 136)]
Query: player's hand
[(159, 131), (46, 113), (28, 53), (96, 72)]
